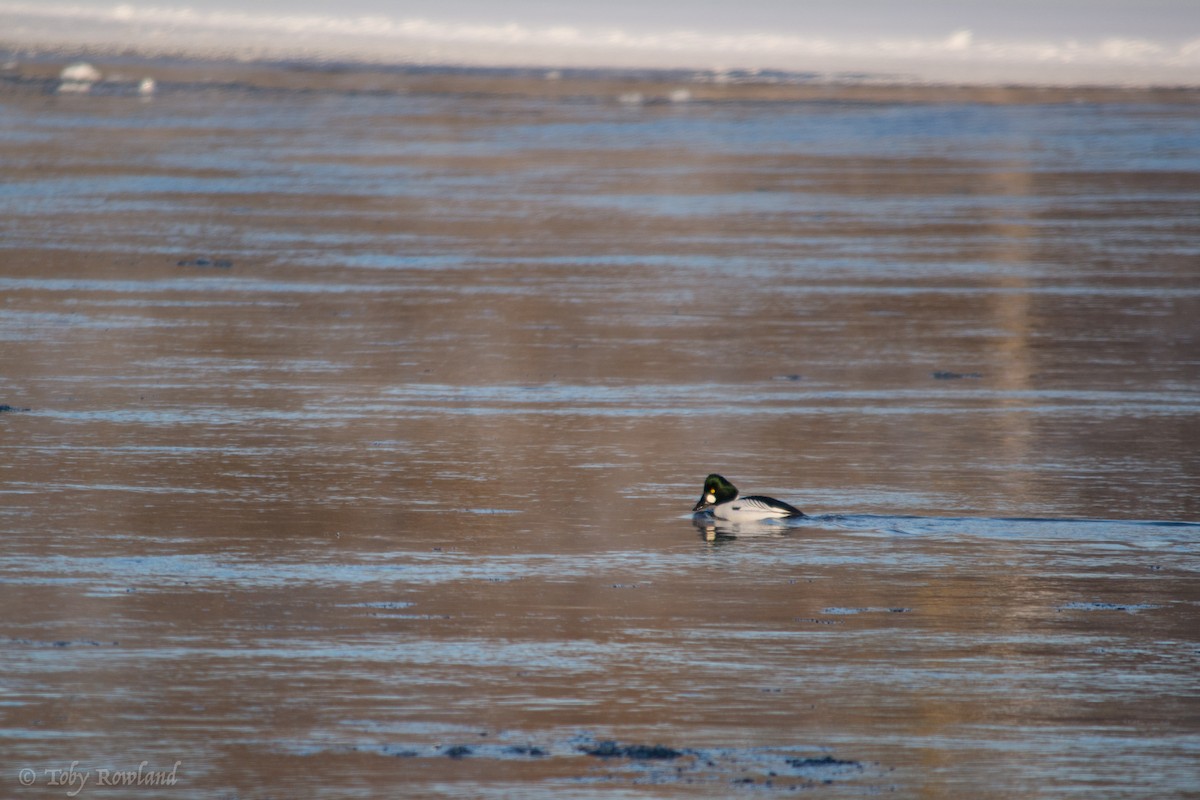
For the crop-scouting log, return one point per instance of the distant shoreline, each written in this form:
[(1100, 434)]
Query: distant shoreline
[(342, 38), (25, 72)]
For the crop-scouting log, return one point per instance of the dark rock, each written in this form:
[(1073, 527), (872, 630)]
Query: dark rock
[(400, 753), (533, 752), (638, 752), (824, 761)]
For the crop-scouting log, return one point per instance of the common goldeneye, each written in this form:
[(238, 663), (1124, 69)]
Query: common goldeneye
[(722, 497)]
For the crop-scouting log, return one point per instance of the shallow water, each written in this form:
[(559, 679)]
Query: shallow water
[(352, 437)]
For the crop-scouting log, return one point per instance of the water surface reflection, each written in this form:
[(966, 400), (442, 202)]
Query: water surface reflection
[(349, 438)]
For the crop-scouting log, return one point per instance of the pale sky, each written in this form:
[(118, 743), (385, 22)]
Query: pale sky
[(1000, 18)]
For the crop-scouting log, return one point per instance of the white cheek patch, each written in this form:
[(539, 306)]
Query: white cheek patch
[(710, 498)]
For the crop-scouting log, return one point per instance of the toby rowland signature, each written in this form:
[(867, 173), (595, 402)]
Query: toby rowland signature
[(75, 779)]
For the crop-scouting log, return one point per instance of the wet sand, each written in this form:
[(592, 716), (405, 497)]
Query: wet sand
[(352, 420)]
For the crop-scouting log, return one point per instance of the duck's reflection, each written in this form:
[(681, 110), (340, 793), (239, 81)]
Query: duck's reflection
[(718, 531)]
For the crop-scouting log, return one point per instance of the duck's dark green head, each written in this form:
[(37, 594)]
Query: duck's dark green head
[(716, 490)]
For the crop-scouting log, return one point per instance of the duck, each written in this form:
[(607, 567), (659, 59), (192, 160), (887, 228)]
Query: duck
[(721, 499)]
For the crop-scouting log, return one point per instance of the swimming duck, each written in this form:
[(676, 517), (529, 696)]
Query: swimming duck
[(722, 498)]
